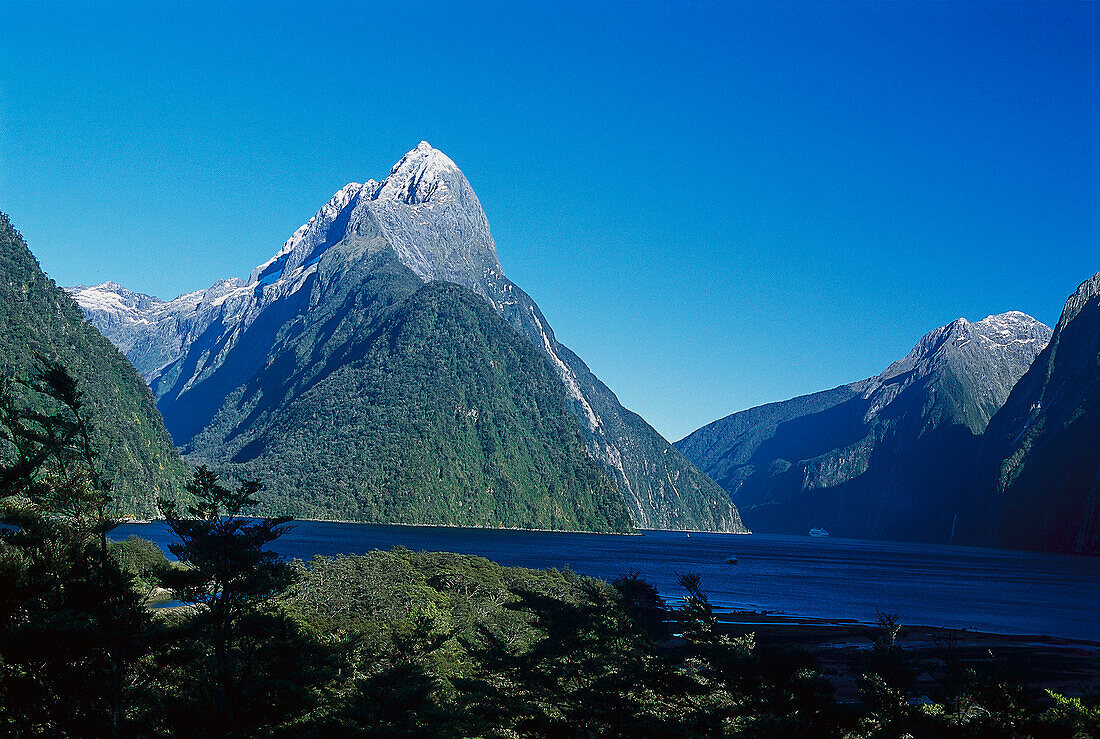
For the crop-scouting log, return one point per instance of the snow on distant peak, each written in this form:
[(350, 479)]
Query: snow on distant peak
[(103, 297), (111, 297), (423, 175), (1011, 332), (425, 209), (1012, 326), (1008, 318)]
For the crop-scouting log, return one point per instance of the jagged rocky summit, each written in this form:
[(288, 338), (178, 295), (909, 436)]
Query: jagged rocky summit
[(38, 319), (372, 360), (889, 457), (1040, 456)]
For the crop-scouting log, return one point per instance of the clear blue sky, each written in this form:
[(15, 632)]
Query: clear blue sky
[(715, 204)]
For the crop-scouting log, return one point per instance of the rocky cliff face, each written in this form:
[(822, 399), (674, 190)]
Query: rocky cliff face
[(379, 241), (1040, 457), (887, 457)]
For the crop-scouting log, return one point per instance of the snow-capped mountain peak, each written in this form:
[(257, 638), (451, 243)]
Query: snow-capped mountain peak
[(1000, 330), (112, 297), (992, 353), (424, 175), (425, 210), (1013, 327)]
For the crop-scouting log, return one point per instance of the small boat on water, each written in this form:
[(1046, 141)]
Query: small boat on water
[(818, 532), (731, 561)]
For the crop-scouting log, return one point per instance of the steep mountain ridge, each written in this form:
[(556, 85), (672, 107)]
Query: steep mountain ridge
[(151, 332), (197, 350), (39, 318), (1040, 456), (886, 457)]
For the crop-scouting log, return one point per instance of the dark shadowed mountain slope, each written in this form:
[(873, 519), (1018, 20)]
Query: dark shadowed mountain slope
[(1041, 451), (889, 457), (226, 362), (38, 318)]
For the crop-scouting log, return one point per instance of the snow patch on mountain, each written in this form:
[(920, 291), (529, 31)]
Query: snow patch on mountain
[(996, 351)]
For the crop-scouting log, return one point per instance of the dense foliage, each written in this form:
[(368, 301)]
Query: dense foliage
[(73, 625), (143, 560), (37, 319), (429, 644)]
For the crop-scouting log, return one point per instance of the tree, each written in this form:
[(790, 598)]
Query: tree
[(761, 692), (594, 669), (243, 657), (888, 679), (72, 627)]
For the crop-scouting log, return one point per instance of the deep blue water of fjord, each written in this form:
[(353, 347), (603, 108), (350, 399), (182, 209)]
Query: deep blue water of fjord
[(992, 590)]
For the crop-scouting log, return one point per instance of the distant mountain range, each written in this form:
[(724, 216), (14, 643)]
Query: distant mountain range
[(889, 457), (37, 318), (381, 367)]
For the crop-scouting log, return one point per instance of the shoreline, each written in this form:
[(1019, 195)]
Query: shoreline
[(742, 620), (837, 624), (841, 648), (639, 532), (643, 532), (636, 532)]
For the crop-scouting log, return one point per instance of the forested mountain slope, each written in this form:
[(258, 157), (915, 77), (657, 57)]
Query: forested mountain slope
[(37, 318)]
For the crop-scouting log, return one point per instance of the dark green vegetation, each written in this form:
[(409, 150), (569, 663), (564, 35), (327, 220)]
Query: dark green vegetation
[(390, 400), (890, 457), (37, 319), (144, 561), (72, 621), (394, 644), (1042, 449)]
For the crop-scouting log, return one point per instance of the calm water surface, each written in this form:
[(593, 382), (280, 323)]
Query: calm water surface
[(958, 587)]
